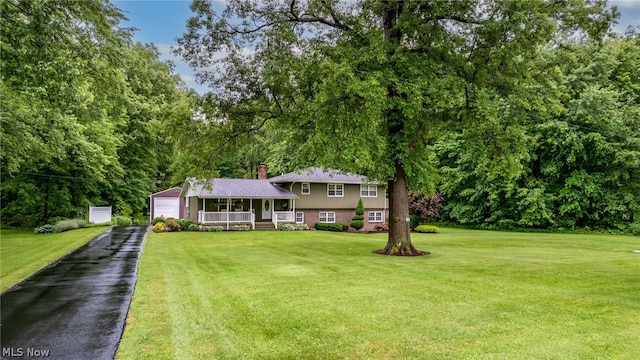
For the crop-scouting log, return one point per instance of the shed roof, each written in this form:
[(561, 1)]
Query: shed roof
[(173, 192), (237, 189), (320, 175)]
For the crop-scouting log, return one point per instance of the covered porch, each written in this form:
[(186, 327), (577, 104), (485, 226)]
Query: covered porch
[(229, 211), (228, 202)]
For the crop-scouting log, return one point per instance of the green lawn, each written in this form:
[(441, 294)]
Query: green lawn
[(22, 252), (321, 295)]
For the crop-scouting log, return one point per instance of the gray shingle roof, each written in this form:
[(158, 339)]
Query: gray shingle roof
[(240, 189), (320, 175)]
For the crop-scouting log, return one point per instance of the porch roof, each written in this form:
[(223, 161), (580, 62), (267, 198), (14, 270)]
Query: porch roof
[(237, 189)]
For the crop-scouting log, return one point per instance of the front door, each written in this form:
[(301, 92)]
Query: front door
[(267, 205)]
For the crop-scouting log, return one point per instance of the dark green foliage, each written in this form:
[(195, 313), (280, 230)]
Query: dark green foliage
[(427, 229), (45, 229), (359, 210), (358, 217), (157, 220), (124, 221), (82, 111), (192, 227), (185, 223), (414, 220), (331, 226), (580, 158), (357, 224)]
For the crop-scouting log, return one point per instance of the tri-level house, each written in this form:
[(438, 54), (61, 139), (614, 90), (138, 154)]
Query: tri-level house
[(304, 197)]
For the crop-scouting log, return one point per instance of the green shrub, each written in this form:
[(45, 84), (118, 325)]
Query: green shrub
[(331, 226), (184, 223), (140, 220), (634, 228), (44, 229), (360, 209), (171, 225), (358, 217), (292, 227), (192, 227), (286, 227), (427, 229), (214, 228), (241, 228), (66, 225), (23, 220), (158, 219), (124, 221), (357, 224), (414, 220), (158, 227)]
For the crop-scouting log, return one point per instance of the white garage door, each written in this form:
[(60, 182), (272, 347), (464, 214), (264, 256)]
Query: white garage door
[(167, 207)]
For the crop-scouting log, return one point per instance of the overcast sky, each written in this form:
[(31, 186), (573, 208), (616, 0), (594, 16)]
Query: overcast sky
[(161, 22)]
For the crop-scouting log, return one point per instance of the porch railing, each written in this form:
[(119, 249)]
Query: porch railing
[(283, 217), (225, 217)]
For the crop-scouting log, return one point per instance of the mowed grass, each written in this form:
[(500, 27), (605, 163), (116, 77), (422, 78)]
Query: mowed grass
[(22, 252), (322, 295)]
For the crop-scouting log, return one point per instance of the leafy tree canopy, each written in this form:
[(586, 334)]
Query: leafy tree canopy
[(367, 86)]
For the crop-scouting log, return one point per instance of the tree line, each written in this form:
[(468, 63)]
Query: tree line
[(516, 115), (83, 110)]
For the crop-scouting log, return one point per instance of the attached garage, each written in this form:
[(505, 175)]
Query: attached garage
[(167, 203)]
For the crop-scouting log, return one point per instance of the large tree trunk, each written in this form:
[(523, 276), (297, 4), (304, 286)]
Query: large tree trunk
[(399, 242)]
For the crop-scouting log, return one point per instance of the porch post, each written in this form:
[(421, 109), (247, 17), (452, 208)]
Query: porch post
[(204, 209), (252, 215), (228, 208)]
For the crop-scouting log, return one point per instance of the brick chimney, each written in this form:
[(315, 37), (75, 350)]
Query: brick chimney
[(262, 171)]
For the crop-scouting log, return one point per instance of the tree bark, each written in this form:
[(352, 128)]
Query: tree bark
[(399, 241)]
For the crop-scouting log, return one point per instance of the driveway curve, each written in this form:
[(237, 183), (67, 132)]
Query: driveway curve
[(75, 308)]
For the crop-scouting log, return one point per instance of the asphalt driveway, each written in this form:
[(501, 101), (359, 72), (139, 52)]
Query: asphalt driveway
[(76, 308)]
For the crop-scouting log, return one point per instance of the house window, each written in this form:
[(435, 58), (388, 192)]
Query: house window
[(222, 205), (299, 217), (327, 216), (306, 188), (375, 216), (335, 190), (368, 190)]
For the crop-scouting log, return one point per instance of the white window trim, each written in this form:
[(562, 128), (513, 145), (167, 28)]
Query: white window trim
[(296, 218), (327, 216), (335, 190), (375, 220), (368, 187), (308, 189), (225, 202)]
